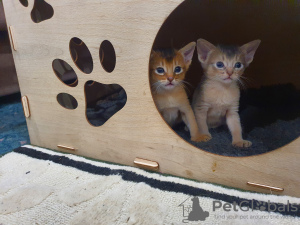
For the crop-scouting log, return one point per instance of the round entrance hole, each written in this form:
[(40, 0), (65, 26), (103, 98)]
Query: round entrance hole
[(269, 106)]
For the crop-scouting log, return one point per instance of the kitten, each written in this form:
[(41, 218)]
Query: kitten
[(167, 72), (216, 99)]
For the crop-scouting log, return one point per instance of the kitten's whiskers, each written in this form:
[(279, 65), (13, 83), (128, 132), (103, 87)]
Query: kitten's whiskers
[(248, 80), (241, 84), (158, 88), (155, 86), (186, 83), (182, 84)]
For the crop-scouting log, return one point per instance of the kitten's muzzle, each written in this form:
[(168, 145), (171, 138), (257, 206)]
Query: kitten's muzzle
[(169, 84)]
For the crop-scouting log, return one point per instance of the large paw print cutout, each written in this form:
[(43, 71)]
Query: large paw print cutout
[(41, 10), (102, 100)]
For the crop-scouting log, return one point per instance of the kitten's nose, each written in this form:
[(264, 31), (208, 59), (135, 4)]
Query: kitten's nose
[(170, 79), (229, 71)]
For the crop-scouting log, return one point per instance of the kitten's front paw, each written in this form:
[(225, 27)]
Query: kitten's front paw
[(242, 144), (201, 138)]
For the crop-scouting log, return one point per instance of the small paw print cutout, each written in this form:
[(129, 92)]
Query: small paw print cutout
[(41, 10), (102, 100)]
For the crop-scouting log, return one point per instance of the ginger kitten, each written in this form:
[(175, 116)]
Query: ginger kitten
[(167, 72), (216, 99)]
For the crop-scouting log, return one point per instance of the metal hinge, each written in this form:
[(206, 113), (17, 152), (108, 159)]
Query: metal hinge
[(146, 163), (25, 104), (271, 188), (66, 147), (12, 38)]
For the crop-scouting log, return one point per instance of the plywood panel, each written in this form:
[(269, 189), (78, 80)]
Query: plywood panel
[(137, 130)]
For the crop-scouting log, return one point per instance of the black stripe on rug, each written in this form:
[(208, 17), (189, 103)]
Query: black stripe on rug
[(162, 185)]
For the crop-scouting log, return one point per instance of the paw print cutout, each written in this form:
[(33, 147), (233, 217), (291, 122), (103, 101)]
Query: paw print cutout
[(41, 10), (102, 100)]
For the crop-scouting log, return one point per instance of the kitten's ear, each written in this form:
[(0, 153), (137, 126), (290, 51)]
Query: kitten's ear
[(204, 48), (153, 53), (249, 50), (187, 52)]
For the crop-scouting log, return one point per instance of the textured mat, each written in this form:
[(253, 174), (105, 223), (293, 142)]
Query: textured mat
[(39, 186)]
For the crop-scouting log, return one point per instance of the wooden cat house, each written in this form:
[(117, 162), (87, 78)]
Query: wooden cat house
[(67, 53)]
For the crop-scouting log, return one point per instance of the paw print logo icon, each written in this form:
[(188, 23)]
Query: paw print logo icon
[(261, 206), (192, 210), (102, 100)]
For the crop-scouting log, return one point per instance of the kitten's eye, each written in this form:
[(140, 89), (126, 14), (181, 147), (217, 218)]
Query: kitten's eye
[(220, 65), (238, 65), (178, 69), (160, 71)]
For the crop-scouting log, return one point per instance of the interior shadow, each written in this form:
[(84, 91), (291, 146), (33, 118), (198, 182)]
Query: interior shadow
[(67, 101), (81, 55), (41, 11), (103, 101), (24, 2), (64, 72)]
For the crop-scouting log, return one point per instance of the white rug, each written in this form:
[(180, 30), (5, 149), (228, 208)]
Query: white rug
[(39, 186)]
